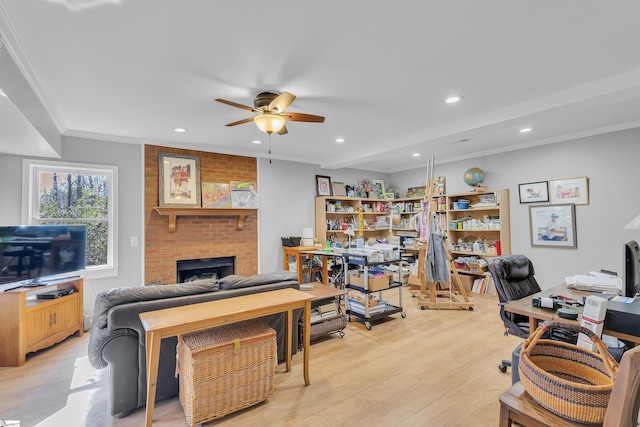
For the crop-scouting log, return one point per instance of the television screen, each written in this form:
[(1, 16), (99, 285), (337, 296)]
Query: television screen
[(631, 268), (40, 251)]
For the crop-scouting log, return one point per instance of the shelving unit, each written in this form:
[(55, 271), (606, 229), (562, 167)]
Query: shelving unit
[(323, 323), (389, 308), (483, 220), (349, 210), (31, 324)]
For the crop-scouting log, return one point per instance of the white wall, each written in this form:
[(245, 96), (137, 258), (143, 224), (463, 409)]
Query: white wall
[(610, 161), (287, 203), (128, 158)]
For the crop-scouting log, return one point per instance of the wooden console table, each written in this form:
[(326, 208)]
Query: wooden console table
[(174, 321)]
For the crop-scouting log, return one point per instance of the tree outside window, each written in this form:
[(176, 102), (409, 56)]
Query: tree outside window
[(63, 193)]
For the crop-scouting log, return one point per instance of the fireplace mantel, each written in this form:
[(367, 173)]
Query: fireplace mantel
[(174, 213)]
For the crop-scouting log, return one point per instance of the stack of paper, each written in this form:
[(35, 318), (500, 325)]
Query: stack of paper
[(595, 282)]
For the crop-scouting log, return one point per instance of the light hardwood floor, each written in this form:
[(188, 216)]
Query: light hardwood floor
[(432, 368)]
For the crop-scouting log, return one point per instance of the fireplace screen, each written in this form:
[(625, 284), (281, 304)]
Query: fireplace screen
[(205, 268)]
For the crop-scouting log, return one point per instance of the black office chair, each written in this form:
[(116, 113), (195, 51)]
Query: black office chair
[(514, 279)]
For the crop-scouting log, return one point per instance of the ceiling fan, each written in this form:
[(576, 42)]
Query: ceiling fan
[(271, 116)]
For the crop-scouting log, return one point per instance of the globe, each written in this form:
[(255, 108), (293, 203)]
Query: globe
[(474, 176)]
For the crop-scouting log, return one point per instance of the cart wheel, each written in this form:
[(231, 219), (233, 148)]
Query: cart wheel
[(422, 307), (414, 296), (470, 308), (403, 314), (367, 325), (503, 368), (341, 334)]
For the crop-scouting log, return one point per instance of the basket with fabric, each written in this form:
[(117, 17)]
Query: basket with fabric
[(571, 381)]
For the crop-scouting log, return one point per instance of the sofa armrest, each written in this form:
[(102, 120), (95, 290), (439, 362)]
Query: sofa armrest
[(100, 338)]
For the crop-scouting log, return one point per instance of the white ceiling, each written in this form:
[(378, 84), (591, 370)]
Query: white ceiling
[(131, 70)]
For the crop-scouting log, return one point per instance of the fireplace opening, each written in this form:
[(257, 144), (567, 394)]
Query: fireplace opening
[(205, 268)]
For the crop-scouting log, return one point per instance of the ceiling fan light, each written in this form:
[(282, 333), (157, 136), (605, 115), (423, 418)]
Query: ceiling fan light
[(269, 123)]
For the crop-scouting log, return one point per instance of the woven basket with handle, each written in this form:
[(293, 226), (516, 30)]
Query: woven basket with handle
[(570, 381)]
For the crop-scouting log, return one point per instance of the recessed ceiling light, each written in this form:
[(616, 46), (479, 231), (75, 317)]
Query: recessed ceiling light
[(179, 130), (257, 142), (525, 130), (416, 154), (453, 99), (339, 140)]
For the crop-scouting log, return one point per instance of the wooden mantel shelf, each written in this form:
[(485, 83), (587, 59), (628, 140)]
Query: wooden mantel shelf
[(174, 213)]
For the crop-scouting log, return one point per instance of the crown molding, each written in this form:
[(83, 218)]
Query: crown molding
[(13, 47)]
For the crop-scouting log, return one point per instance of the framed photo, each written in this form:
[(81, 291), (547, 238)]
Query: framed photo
[(553, 225), (179, 180), (534, 192), (339, 189), (323, 185), (416, 191), (438, 186), (570, 190), (377, 188), (215, 195), (364, 189), (244, 194)]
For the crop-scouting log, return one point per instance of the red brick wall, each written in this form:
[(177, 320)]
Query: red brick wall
[(198, 236)]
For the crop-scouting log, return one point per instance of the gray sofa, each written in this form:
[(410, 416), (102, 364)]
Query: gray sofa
[(117, 337)]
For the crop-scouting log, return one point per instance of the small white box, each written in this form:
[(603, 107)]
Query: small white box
[(593, 314)]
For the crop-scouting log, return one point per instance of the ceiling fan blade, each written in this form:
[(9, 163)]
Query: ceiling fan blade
[(301, 117), (281, 102), (239, 122), (235, 104), (283, 131)]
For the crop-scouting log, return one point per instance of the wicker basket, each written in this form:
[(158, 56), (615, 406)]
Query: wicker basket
[(225, 369), (568, 380)]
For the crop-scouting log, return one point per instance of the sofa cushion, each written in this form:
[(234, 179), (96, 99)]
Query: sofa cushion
[(235, 281), (123, 295)]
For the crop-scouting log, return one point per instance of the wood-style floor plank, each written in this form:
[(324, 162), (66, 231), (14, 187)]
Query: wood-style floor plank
[(432, 368)]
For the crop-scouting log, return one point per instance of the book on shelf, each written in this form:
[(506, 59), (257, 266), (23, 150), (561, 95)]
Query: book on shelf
[(484, 285)]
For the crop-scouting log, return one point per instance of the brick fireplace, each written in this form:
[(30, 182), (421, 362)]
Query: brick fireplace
[(198, 237)]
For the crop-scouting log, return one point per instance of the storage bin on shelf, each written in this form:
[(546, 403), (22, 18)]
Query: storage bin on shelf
[(356, 278), (225, 369)]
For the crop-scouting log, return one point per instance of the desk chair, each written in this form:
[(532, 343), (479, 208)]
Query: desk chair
[(622, 411), (514, 279)]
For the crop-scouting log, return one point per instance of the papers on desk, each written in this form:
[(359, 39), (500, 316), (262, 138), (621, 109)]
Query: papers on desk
[(595, 282)]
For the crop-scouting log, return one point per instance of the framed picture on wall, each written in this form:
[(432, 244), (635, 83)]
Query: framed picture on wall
[(339, 189), (553, 225), (534, 192), (323, 185), (570, 190), (179, 180)]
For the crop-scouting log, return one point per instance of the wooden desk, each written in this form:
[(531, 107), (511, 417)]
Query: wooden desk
[(174, 321), (524, 307), (300, 256)]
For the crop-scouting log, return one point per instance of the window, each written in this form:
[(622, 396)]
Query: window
[(73, 193)]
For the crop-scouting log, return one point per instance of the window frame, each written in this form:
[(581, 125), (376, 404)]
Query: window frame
[(31, 201)]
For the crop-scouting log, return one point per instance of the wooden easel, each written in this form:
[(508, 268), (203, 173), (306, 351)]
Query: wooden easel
[(430, 296)]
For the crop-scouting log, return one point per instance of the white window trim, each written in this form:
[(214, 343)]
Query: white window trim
[(30, 167)]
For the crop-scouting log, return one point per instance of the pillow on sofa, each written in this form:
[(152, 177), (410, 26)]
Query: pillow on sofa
[(235, 281), (123, 295)]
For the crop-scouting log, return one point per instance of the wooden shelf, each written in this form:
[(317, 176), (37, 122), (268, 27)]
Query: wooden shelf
[(174, 213)]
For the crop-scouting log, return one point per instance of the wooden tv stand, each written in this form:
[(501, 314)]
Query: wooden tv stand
[(28, 324)]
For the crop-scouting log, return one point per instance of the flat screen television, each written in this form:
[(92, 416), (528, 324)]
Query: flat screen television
[(39, 252), (631, 268)]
